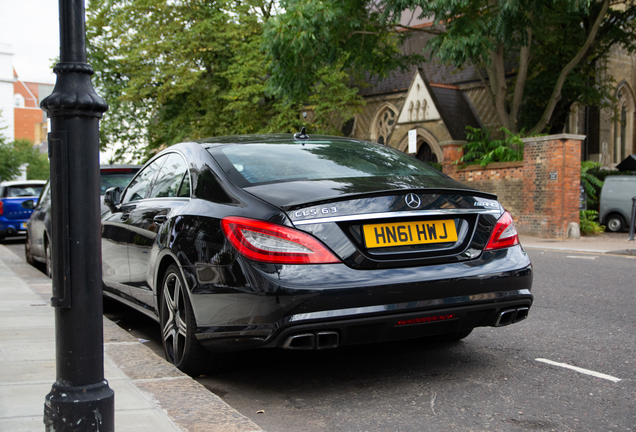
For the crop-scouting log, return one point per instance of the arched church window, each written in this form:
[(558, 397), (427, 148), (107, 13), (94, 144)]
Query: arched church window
[(424, 106), (384, 126), (411, 111), (623, 125), (417, 111)]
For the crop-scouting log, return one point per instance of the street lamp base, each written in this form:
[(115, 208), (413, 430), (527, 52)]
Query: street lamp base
[(80, 409)]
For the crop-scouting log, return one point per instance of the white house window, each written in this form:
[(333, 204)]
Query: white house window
[(18, 100)]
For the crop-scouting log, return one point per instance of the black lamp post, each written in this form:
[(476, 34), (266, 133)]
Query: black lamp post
[(80, 399)]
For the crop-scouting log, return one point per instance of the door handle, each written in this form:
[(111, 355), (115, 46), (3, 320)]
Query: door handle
[(159, 219)]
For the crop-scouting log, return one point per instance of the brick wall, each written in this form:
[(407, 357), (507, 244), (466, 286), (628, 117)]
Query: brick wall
[(552, 178), (541, 193), (504, 179)]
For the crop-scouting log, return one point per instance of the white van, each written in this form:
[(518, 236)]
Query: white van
[(616, 202)]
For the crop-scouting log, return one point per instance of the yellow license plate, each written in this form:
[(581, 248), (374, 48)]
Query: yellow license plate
[(409, 233)]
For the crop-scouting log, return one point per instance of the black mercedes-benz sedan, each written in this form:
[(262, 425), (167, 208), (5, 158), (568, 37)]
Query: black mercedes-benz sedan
[(304, 243)]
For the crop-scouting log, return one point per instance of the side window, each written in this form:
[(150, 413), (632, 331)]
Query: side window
[(170, 178), (184, 191), (138, 187)]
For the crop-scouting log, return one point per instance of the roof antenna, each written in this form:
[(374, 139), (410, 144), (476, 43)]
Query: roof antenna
[(301, 135)]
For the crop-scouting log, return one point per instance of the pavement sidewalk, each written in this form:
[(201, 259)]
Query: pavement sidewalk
[(604, 243), (150, 393)]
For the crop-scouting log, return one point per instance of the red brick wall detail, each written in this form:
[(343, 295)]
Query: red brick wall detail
[(539, 206), (25, 121), (550, 205)]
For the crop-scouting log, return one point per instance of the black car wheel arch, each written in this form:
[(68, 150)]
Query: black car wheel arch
[(178, 327)]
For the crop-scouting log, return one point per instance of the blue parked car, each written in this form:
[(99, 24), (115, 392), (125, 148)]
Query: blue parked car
[(13, 214)]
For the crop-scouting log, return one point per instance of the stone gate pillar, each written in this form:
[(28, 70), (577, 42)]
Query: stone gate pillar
[(551, 185)]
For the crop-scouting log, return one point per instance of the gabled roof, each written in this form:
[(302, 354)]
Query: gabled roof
[(434, 70), (455, 109)]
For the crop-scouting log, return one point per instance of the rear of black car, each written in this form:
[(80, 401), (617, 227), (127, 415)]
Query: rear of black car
[(375, 246)]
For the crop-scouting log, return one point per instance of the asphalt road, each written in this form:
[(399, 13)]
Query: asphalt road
[(583, 316)]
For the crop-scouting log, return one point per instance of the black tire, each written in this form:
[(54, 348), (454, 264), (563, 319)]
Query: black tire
[(449, 337), (615, 223), (48, 259), (178, 324), (28, 255)]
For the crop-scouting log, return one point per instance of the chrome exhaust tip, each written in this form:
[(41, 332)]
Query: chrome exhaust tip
[(327, 340), (303, 341), (511, 316), (310, 341), (506, 317), (522, 313)]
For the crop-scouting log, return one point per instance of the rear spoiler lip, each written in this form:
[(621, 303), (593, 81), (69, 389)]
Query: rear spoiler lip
[(347, 197)]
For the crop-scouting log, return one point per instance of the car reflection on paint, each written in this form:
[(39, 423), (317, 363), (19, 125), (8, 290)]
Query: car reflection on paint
[(305, 243)]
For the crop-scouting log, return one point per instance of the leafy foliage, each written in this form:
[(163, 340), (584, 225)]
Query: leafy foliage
[(311, 37), (9, 161), (178, 70), (536, 57), (483, 150), (591, 183), (16, 153), (588, 223)]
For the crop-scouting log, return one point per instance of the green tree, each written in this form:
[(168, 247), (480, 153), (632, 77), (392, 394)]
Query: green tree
[(535, 57), (19, 152), (9, 162), (38, 163), (552, 42), (178, 70)]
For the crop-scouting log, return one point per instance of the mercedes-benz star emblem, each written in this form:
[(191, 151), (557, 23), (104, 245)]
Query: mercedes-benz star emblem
[(413, 201)]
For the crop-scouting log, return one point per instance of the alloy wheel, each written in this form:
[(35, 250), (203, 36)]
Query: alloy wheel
[(174, 318)]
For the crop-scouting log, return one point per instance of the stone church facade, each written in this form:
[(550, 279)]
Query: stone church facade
[(440, 101)]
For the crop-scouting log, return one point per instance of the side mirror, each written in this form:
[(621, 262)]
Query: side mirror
[(28, 204), (112, 197)]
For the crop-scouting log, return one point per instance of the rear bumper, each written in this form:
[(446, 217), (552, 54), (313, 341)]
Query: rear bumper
[(11, 227), (406, 326), (369, 308)]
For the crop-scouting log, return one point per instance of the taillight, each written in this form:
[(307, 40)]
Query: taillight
[(1, 208), (504, 235), (271, 243)]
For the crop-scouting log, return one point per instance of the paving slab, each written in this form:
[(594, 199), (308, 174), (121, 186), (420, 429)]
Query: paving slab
[(150, 393)]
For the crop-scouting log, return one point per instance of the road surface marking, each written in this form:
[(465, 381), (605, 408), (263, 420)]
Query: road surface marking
[(581, 257), (578, 369)]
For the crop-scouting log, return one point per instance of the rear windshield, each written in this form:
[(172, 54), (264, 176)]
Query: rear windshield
[(116, 178), (17, 191), (250, 164)]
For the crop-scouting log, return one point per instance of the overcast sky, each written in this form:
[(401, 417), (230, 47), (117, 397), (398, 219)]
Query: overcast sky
[(31, 27)]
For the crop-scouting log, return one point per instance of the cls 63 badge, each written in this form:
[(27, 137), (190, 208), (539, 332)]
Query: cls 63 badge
[(316, 212)]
